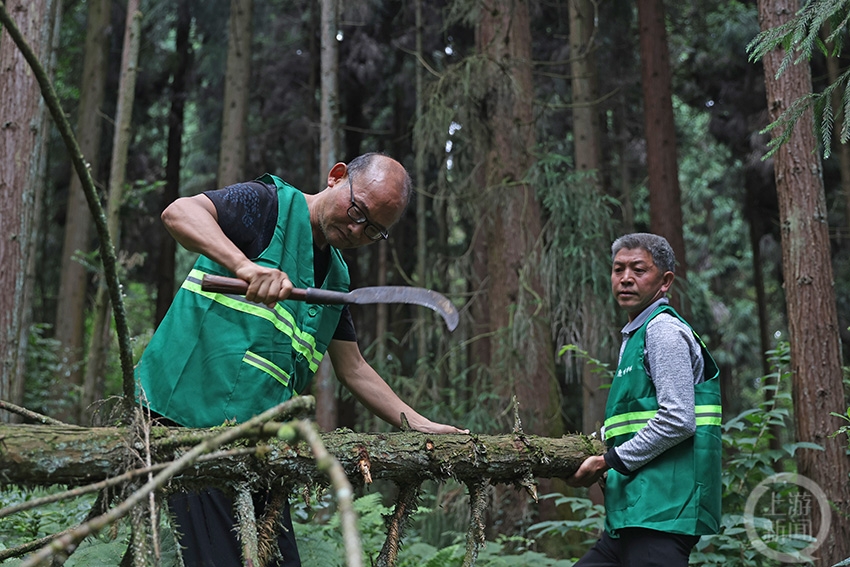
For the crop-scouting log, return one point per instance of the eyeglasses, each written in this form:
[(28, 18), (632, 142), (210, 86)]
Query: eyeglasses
[(371, 230)]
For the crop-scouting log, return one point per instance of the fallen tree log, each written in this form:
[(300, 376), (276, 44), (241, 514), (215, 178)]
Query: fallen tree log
[(241, 457), (42, 455)]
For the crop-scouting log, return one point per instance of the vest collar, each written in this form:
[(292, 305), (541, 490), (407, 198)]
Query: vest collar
[(638, 321)]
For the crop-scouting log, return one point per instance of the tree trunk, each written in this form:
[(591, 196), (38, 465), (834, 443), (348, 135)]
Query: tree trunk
[(512, 223), (74, 277), (23, 130), (324, 385), (665, 201), (165, 286), (237, 89), (588, 160), (44, 455), (809, 291), (421, 193), (521, 359), (100, 339), (757, 230), (329, 103)]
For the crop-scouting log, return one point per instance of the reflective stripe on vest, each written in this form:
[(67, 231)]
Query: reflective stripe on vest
[(266, 366), (303, 343), (633, 422)]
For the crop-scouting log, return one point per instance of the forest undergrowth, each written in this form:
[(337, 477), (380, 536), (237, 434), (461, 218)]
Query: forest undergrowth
[(436, 536)]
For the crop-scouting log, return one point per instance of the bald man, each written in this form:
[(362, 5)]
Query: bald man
[(217, 358)]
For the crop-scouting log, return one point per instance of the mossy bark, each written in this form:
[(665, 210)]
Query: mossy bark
[(41, 455)]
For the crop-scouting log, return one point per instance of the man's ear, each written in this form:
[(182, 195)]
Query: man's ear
[(336, 173), (667, 281)]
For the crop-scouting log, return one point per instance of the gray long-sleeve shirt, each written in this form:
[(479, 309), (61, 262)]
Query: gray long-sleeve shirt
[(674, 363)]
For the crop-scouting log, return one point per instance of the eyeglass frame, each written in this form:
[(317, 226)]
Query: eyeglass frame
[(382, 233)]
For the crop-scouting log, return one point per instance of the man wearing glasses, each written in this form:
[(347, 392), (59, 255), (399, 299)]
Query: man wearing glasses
[(216, 358)]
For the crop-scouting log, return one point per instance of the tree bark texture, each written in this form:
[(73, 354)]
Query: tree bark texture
[(237, 90), (587, 149), (422, 201), (324, 383), (585, 111), (809, 290), (93, 384), (665, 201), (23, 128), (74, 277), (514, 326), (165, 284), (329, 102), (43, 455), (514, 293)]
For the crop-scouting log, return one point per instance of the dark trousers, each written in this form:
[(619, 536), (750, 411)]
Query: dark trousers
[(207, 534), (640, 547)]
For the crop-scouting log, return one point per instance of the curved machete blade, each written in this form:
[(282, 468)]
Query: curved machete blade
[(364, 295), (403, 294)]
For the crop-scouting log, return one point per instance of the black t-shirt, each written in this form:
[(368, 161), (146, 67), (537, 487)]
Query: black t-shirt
[(247, 213)]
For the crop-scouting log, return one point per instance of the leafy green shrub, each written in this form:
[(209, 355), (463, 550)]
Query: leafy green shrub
[(320, 543), (748, 460), (590, 518), (29, 525), (104, 549)]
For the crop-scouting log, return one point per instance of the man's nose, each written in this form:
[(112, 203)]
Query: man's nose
[(356, 229)]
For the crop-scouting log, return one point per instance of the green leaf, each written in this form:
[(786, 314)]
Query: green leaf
[(791, 448)]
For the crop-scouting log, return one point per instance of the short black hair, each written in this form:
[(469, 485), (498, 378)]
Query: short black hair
[(657, 246)]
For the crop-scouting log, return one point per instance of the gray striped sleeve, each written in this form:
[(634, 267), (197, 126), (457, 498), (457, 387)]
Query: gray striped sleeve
[(674, 364)]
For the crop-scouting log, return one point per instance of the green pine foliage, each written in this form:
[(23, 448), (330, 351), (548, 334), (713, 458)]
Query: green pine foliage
[(800, 38)]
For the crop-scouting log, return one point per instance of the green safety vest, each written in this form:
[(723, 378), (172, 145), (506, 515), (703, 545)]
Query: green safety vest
[(680, 490), (218, 357)]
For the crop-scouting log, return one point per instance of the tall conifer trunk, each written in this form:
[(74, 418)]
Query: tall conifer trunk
[(22, 136), (165, 279), (93, 384), (809, 291), (237, 89), (324, 385), (74, 277), (515, 308), (588, 160), (665, 200)]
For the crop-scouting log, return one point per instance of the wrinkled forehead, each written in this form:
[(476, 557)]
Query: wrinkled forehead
[(380, 197), (625, 256)]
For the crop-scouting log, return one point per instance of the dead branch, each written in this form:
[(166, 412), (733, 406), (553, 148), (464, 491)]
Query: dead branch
[(406, 505), (475, 537), (330, 466), (116, 480), (29, 414), (67, 542)]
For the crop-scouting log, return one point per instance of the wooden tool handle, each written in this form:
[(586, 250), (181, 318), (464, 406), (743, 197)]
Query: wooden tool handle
[(223, 284)]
